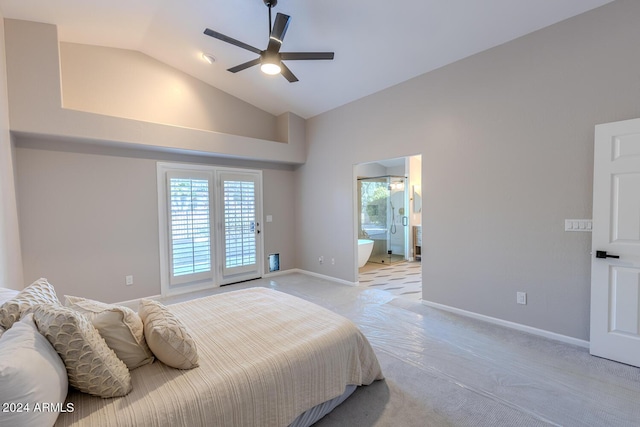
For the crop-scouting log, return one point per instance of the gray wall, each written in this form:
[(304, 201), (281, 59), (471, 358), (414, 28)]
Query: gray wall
[(130, 84), (89, 216), (35, 105), (10, 255), (506, 138)]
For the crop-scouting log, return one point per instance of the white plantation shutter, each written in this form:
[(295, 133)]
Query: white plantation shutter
[(239, 223), (209, 230), (190, 227)]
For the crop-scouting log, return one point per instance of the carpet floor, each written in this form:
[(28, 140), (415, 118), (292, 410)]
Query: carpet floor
[(442, 369)]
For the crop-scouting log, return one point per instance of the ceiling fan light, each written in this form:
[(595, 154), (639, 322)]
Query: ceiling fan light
[(270, 68)]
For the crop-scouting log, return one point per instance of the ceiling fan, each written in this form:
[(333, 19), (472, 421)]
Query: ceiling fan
[(271, 58)]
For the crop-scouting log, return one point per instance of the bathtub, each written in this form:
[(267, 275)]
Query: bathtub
[(365, 246)]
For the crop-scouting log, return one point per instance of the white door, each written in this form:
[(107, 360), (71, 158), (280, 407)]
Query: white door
[(241, 245), (615, 282)]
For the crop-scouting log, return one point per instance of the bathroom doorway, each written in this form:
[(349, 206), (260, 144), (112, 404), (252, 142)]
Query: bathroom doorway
[(389, 225), (382, 206)]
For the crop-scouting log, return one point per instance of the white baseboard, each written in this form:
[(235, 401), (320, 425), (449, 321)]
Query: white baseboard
[(321, 276), (508, 324)]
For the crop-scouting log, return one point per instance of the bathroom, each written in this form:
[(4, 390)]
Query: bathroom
[(389, 219)]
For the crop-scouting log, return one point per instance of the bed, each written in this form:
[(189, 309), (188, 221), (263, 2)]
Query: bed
[(265, 359)]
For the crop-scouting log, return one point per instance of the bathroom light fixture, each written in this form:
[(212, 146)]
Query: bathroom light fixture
[(209, 58)]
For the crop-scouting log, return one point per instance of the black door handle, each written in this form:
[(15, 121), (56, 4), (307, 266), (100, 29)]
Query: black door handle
[(604, 254)]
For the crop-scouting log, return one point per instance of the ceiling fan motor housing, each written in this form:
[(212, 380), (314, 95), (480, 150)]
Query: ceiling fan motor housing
[(270, 3)]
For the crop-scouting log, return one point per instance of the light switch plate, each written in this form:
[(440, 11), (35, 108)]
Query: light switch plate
[(578, 225)]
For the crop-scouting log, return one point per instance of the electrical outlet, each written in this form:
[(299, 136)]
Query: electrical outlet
[(333, 261), (128, 280), (321, 260), (521, 298)]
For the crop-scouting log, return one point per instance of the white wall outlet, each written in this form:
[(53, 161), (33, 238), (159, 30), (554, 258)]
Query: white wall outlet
[(521, 298), (333, 261), (128, 280), (321, 259)]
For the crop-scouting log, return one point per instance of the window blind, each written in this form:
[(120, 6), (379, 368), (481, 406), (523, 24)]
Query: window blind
[(239, 223), (190, 226)]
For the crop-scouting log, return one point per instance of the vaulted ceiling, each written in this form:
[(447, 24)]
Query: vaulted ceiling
[(377, 44)]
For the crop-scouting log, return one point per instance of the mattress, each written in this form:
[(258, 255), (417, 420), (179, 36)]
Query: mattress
[(265, 358)]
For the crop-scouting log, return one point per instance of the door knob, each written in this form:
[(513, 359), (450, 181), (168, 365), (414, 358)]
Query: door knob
[(604, 254)]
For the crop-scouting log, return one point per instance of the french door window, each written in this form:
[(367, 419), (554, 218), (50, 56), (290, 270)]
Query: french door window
[(209, 220)]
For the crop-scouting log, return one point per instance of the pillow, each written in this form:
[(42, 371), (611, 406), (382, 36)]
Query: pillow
[(120, 327), (6, 294), (31, 372), (39, 292), (167, 337), (91, 365)]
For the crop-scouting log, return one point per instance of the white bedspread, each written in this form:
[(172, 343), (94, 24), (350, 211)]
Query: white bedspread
[(265, 357)]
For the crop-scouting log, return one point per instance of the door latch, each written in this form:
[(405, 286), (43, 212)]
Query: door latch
[(604, 254)]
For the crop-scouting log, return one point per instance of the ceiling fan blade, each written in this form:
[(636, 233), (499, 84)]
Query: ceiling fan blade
[(294, 56), (244, 66), (286, 72), (219, 36), (277, 33)]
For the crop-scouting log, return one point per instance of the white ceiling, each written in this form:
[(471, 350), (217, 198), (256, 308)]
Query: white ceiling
[(377, 44)]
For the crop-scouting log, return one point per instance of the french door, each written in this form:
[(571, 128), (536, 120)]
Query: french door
[(239, 208), (209, 222)]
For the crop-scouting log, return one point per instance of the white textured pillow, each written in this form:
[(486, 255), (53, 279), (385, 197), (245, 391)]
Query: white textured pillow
[(167, 337), (91, 365), (39, 292), (120, 327), (6, 294), (31, 372)]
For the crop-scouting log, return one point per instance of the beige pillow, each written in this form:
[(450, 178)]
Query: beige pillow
[(39, 292), (167, 337), (91, 365), (120, 327)]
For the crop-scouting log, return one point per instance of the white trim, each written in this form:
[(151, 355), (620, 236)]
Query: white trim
[(512, 325), (311, 273)]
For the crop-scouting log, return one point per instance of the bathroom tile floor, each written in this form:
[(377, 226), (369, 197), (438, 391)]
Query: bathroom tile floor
[(403, 279)]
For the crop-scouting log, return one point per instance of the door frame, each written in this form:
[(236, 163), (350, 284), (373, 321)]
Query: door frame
[(217, 233), (258, 272)]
